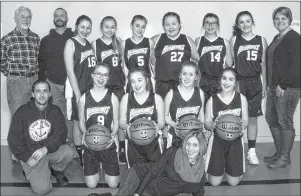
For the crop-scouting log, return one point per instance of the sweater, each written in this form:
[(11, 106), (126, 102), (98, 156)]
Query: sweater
[(286, 62), (31, 129), (51, 56), (161, 178)]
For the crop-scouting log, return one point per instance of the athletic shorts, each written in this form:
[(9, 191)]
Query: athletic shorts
[(210, 87), (252, 89), (222, 154), (143, 154), (109, 160), (162, 87), (118, 91)]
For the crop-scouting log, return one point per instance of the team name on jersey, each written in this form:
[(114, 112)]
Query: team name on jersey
[(247, 47), (97, 110), (137, 51), (210, 48), (106, 53), (84, 55), (139, 111), (187, 110), (235, 112), (168, 48)]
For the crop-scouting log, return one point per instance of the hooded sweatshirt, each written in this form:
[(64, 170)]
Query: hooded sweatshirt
[(32, 129), (51, 56)]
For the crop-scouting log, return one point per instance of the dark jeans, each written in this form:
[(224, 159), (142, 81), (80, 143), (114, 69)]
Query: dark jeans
[(280, 110)]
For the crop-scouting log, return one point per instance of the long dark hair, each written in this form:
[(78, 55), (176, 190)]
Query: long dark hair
[(236, 30)]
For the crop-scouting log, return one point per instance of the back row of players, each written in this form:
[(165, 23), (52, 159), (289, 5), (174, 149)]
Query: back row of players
[(161, 58)]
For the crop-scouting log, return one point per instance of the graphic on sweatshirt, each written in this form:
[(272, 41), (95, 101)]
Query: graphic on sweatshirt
[(39, 129)]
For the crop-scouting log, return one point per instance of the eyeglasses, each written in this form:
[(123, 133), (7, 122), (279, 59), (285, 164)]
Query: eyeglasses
[(210, 23), (100, 75)]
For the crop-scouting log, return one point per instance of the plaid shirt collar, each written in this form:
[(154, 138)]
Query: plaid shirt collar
[(18, 32)]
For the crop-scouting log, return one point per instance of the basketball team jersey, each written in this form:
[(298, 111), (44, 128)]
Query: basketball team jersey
[(98, 112), (84, 61), (106, 54), (220, 108), (212, 56), (180, 108), (137, 54), (146, 110), (170, 54), (248, 54)]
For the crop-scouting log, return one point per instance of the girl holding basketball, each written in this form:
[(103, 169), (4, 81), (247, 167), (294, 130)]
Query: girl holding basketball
[(248, 50), (100, 106), (186, 99), (141, 102), (171, 49), (108, 50), (214, 53), (225, 157)]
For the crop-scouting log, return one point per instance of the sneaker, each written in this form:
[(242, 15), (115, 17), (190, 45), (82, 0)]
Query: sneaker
[(252, 158), (61, 179), (121, 156)]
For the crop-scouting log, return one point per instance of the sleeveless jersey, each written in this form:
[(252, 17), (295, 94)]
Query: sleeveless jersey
[(147, 110), (98, 112), (84, 61), (220, 108), (248, 56), (212, 56), (170, 54), (137, 54), (180, 108), (106, 54)]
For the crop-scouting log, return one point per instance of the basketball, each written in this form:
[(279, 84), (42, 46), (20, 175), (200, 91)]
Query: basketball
[(143, 131), (228, 127), (97, 137), (188, 123)]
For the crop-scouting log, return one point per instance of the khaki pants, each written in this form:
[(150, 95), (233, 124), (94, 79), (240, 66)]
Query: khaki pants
[(39, 175)]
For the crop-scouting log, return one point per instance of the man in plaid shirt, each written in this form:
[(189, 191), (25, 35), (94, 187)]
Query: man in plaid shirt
[(19, 60)]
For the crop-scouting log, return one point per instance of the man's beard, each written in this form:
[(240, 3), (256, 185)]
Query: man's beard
[(59, 24)]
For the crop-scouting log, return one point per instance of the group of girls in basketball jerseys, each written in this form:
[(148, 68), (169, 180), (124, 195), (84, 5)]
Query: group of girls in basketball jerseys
[(113, 79)]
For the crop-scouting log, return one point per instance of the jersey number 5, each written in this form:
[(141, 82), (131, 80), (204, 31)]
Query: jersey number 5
[(176, 56), (140, 60)]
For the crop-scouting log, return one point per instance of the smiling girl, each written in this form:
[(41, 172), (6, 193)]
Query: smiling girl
[(186, 99), (248, 50), (225, 157), (214, 53), (141, 102), (79, 61)]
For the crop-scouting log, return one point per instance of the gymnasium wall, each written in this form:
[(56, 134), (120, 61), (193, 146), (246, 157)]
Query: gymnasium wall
[(191, 14)]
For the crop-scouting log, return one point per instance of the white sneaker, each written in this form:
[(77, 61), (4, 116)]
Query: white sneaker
[(252, 158)]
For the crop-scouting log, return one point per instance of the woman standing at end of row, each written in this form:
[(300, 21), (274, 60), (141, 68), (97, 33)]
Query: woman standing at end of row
[(248, 50), (215, 55)]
